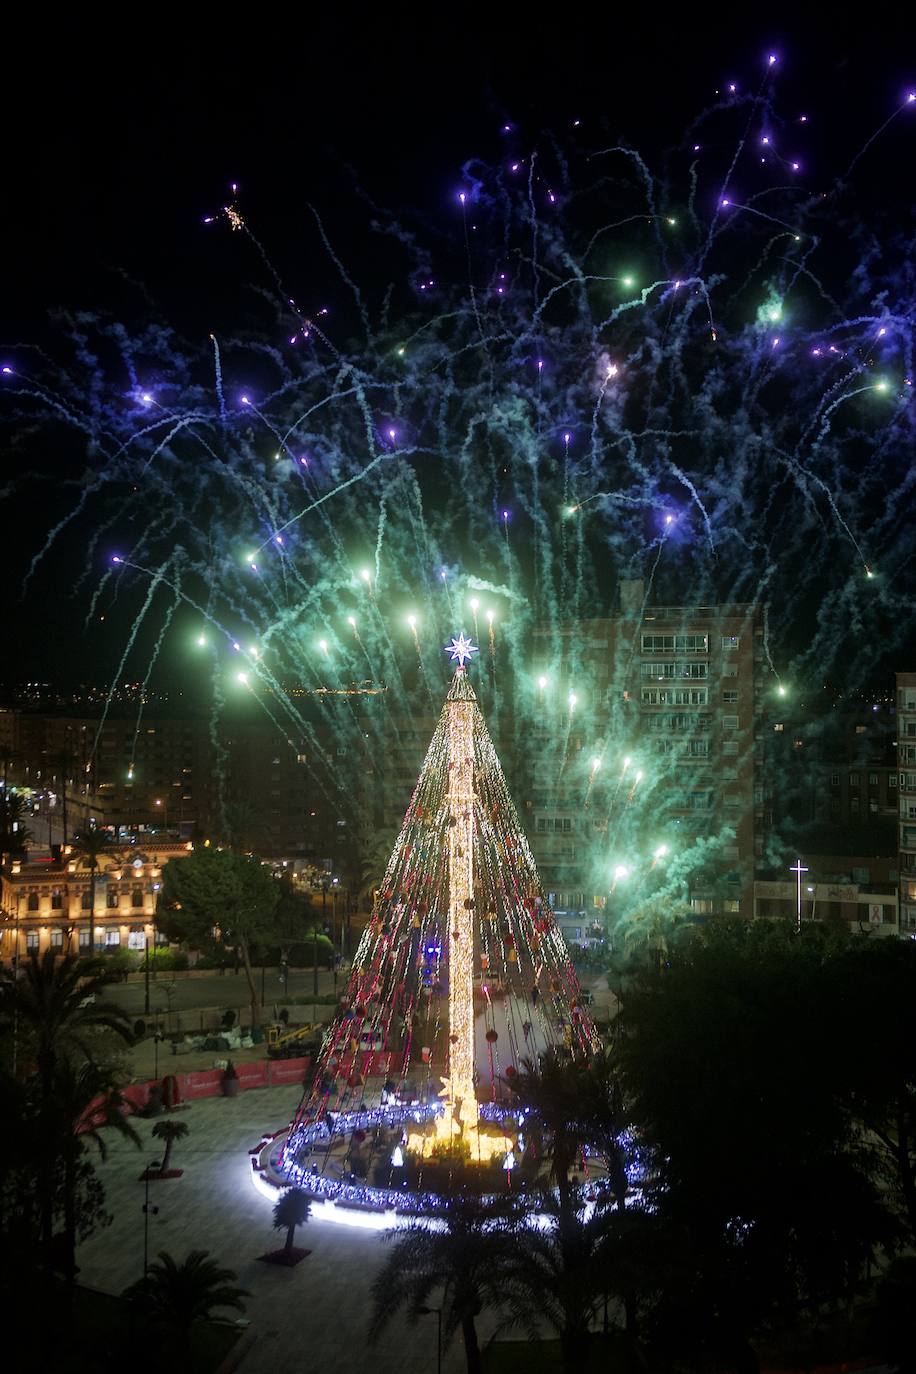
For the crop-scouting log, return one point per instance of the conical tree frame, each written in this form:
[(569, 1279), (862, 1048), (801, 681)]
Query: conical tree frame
[(462, 971)]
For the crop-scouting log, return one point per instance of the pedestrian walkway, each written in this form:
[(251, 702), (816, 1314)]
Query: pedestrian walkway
[(311, 1318)]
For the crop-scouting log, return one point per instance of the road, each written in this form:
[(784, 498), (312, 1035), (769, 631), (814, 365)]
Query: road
[(179, 994)]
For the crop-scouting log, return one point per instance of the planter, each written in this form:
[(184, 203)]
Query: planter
[(230, 1087)]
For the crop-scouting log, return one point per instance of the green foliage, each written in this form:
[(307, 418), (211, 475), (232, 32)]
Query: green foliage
[(163, 959), (218, 898), (456, 1151), (15, 835), (176, 1295), (734, 1061), (459, 1266), (293, 1208)]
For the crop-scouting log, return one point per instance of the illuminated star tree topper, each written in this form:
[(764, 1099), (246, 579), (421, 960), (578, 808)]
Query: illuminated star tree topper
[(461, 649)]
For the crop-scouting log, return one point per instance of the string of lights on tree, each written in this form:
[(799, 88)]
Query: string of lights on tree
[(462, 974)]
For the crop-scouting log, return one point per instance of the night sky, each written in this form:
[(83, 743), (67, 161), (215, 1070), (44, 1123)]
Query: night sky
[(120, 138)]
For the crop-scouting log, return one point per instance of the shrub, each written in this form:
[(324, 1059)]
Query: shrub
[(163, 959)]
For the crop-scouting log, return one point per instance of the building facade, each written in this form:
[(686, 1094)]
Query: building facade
[(906, 821), (46, 904)]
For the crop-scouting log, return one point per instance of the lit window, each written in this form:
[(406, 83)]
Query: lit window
[(730, 642), (57, 939), (84, 939), (136, 939), (779, 728), (730, 698), (112, 937), (31, 939)]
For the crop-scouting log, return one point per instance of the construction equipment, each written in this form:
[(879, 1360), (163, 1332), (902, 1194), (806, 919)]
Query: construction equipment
[(289, 1042)]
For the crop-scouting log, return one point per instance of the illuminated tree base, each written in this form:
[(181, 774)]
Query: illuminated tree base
[(458, 1126)]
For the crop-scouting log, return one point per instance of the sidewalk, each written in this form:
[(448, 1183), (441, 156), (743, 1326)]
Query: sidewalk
[(305, 1319)]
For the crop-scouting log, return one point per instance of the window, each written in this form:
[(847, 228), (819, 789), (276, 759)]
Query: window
[(731, 904), (729, 670), (57, 939), (136, 897), (703, 906), (84, 939), (112, 938), (892, 779), (730, 747), (834, 779), (779, 728), (57, 899), (84, 900), (678, 644), (873, 779), (136, 939), (693, 670), (111, 901), (854, 805), (32, 903), (853, 780), (730, 642), (873, 804), (729, 722), (657, 670), (732, 799), (730, 698), (31, 939)]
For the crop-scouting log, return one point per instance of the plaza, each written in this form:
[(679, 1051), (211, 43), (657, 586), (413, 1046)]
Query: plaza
[(310, 1317)]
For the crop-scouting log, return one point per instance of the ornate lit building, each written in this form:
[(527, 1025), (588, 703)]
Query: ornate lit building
[(46, 904)]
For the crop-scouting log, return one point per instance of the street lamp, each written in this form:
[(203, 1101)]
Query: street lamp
[(147, 1210)]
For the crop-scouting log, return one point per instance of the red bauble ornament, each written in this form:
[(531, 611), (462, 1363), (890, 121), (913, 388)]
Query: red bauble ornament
[(492, 1036)]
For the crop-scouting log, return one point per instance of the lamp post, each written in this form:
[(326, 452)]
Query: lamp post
[(147, 1209), (428, 1312), (798, 869)]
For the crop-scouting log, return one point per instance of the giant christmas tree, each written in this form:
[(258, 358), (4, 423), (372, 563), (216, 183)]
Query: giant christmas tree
[(462, 972)]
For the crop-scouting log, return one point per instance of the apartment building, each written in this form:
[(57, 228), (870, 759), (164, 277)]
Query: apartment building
[(661, 757), (906, 757)]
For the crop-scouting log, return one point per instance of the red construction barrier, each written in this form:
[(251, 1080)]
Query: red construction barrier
[(282, 1071), (202, 1083), (137, 1095), (253, 1075)]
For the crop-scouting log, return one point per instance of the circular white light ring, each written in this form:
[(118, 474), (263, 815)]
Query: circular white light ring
[(360, 1205)]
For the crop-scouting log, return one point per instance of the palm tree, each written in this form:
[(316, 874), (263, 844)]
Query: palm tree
[(169, 1131), (88, 848), (14, 833), (551, 1087), (292, 1209), (463, 1258), (55, 1003), (7, 756), (86, 1097), (175, 1295), (555, 1274), (63, 762)]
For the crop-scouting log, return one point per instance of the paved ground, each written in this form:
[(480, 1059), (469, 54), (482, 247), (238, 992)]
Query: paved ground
[(311, 1318), (173, 996)]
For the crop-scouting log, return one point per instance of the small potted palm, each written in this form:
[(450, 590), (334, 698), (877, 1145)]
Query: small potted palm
[(230, 1080)]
